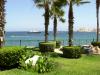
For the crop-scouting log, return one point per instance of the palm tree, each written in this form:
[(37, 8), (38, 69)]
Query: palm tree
[(71, 17), (56, 13), (44, 4), (2, 21), (70, 21), (97, 15)]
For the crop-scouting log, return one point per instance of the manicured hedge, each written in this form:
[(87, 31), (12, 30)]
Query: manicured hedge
[(58, 44), (9, 56), (71, 52), (95, 43), (47, 46)]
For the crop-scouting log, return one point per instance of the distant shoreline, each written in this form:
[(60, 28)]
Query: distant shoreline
[(43, 31)]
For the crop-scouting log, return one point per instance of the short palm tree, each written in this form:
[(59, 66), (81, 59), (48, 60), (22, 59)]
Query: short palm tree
[(97, 15), (71, 17), (2, 21), (57, 13), (45, 5)]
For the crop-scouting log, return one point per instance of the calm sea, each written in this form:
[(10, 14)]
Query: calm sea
[(32, 39)]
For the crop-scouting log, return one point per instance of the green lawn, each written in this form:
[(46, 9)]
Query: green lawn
[(86, 65)]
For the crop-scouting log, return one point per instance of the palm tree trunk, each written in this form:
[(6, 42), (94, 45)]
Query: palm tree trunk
[(97, 15), (2, 21), (70, 27), (55, 28), (46, 21)]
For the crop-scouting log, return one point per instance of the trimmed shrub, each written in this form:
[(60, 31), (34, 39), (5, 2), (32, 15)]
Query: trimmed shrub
[(71, 52), (95, 43), (47, 46), (9, 56), (58, 44), (36, 49)]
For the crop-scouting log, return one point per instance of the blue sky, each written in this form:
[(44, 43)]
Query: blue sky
[(23, 15)]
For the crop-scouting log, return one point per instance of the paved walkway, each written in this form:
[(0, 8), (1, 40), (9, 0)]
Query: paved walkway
[(57, 50)]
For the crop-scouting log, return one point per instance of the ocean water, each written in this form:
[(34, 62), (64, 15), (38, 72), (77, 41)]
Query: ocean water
[(32, 39)]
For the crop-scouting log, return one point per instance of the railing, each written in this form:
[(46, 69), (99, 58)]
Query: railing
[(35, 42)]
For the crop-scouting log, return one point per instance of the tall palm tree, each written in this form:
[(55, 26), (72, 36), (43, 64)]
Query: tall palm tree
[(2, 21), (97, 15), (45, 5), (56, 13), (70, 21), (71, 17)]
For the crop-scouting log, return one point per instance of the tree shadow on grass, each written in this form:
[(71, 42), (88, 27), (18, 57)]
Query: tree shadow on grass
[(3, 68)]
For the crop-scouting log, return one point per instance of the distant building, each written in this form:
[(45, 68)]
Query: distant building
[(83, 29), (95, 30)]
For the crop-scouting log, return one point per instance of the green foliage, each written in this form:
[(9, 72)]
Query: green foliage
[(44, 64), (27, 54), (52, 54), (95, 43), (47, 46), (36, 49), (9, 56), (58, 44), (60, 3), (24, 66), (83, 51), (72, 52), (86, 65)]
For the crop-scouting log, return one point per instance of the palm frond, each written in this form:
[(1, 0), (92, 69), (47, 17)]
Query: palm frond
[(40, 5), (37, 1), (62, 20), (83, 2), (57, 11), (80, 2), (60, 3)]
